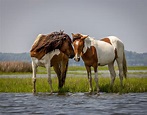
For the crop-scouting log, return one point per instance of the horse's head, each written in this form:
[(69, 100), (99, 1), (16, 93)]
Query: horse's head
[(78, 43), (66, 47)]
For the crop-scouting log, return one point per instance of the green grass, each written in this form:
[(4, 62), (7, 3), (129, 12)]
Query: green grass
[(73, 84)]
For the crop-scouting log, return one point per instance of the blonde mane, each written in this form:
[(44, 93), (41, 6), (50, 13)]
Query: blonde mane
[(88, 42), (37, 39)]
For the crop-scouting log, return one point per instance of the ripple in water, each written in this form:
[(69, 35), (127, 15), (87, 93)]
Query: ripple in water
[(71, 104)]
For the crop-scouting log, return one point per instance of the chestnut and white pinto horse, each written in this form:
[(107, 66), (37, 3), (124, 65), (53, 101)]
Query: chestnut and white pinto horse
[(51, 50), (99, 53)]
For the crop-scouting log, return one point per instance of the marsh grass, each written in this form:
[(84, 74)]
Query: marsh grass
[(9, 68), (73, 84), (15, 66)]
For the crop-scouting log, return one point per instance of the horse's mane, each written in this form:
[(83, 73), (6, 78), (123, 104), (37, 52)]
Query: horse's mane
[(76, 37), (88, 42), (48, 43)]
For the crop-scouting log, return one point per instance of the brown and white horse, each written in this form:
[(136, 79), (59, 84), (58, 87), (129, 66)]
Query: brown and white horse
[(99, 53), (52, 50)]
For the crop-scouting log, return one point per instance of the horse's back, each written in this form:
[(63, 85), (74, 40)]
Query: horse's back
[(105, 52), (117, 44), (115, 41)]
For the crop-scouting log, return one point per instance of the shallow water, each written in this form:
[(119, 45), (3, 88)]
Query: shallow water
[(73, 103), (102, 73)]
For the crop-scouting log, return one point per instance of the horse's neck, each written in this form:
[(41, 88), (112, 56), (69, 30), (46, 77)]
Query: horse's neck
[(88, 43)]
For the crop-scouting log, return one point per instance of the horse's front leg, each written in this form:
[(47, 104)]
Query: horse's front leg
[(34, 67), (96, 79), (64, 66), (49, 76), (58, 72), (89, 78)]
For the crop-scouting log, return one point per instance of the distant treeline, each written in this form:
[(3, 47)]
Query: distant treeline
[(136, 59), (25, 57), (133, 58)]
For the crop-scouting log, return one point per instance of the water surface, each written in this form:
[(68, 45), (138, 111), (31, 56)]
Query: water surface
[(73, 104)]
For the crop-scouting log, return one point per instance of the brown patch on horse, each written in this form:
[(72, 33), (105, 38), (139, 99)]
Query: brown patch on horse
[(90, 57), (106, 40), (47, 43)]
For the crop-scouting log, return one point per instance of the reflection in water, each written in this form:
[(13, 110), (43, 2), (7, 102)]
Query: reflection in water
[(71, 104)]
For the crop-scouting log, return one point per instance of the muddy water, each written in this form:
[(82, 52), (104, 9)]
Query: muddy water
[(73, 104)]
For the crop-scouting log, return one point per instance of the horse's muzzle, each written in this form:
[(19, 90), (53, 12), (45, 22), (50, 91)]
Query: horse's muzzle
[(77, 59)]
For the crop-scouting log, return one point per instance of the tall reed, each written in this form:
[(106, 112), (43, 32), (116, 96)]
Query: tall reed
[(15, 66)]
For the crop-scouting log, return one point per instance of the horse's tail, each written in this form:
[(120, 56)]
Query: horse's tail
[(124, 65)]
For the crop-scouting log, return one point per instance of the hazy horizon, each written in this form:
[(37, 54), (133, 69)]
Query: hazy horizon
[(22, 20)]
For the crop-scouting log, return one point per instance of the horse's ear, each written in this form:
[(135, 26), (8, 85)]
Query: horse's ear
[(72, 34), (84, 37), (61, 31)]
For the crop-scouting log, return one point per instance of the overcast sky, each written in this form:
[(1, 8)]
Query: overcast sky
[(22, 20)]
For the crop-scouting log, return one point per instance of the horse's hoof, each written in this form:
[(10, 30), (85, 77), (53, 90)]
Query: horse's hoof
[(90, 93), (51, 92), (90, 90), (98, 94), (34, 91)]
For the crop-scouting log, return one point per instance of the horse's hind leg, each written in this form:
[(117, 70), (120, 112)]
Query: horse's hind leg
[(49, 76), (34, 68), (112, 73), (120, 67)]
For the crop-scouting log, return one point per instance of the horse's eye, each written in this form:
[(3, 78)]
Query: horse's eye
[(64, 38)]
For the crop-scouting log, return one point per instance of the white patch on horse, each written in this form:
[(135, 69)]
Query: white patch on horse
[(105, 52), (46, 58), (77, 43), (87, 44)]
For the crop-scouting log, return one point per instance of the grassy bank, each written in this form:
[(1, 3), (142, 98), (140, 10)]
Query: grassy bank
[(73, 84)]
